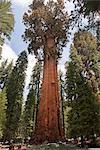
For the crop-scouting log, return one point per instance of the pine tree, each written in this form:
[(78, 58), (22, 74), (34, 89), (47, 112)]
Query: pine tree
[(70, 83), (86, 49), (31, 104), (3, 102), (28, 114), (46, 31), (5, 71), (15, 89), (83, 118)]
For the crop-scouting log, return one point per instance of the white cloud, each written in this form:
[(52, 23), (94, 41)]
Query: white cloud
[(8, 53), (25, 2), (69, 6), (31, 63), (61, 67), (22, 2)]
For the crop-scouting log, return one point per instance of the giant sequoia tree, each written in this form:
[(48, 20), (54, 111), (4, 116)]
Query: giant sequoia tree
[(46, 32)]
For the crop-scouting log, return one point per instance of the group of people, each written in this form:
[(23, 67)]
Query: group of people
[(86, 142), (12, 146)]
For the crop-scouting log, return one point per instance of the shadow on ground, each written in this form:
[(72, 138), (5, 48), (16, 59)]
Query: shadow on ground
[(53, 146)]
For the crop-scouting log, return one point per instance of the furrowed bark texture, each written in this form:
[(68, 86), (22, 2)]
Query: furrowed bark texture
[(49, 121)]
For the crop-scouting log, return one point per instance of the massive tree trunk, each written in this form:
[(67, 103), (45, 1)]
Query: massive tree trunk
[(49, 121)]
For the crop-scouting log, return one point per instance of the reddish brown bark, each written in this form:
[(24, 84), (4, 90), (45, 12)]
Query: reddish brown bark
[(49, 124)]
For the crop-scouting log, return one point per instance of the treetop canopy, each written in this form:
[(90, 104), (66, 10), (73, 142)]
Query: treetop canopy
[(45, 21)]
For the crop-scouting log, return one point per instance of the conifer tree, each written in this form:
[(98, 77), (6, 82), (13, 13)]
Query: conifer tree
[(87, 54), (6, 19), (70, 83), (3, 102), (15, 89), (31, 104), (5, 71), (83, 118), (28, 114), (46, 31)]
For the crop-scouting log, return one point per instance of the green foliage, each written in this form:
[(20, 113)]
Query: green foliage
[(87, 6), (3, 102), (98, 34), (29, 114), (66, 109), (15, 89), (6, 20), (44, 21), (83, 118), (31, 104), (5, 71), (91, 6), (86, 56), (70, 80), (36, 77), (88, 9)]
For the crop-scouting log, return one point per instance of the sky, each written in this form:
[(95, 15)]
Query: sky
[(19, 7), (12, 48), (16, 43)]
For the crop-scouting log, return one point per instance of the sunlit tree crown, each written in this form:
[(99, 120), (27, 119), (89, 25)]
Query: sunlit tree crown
[(43, 21)]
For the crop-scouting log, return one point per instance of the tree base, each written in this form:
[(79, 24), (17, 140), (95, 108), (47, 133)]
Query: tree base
[(43, 140)]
